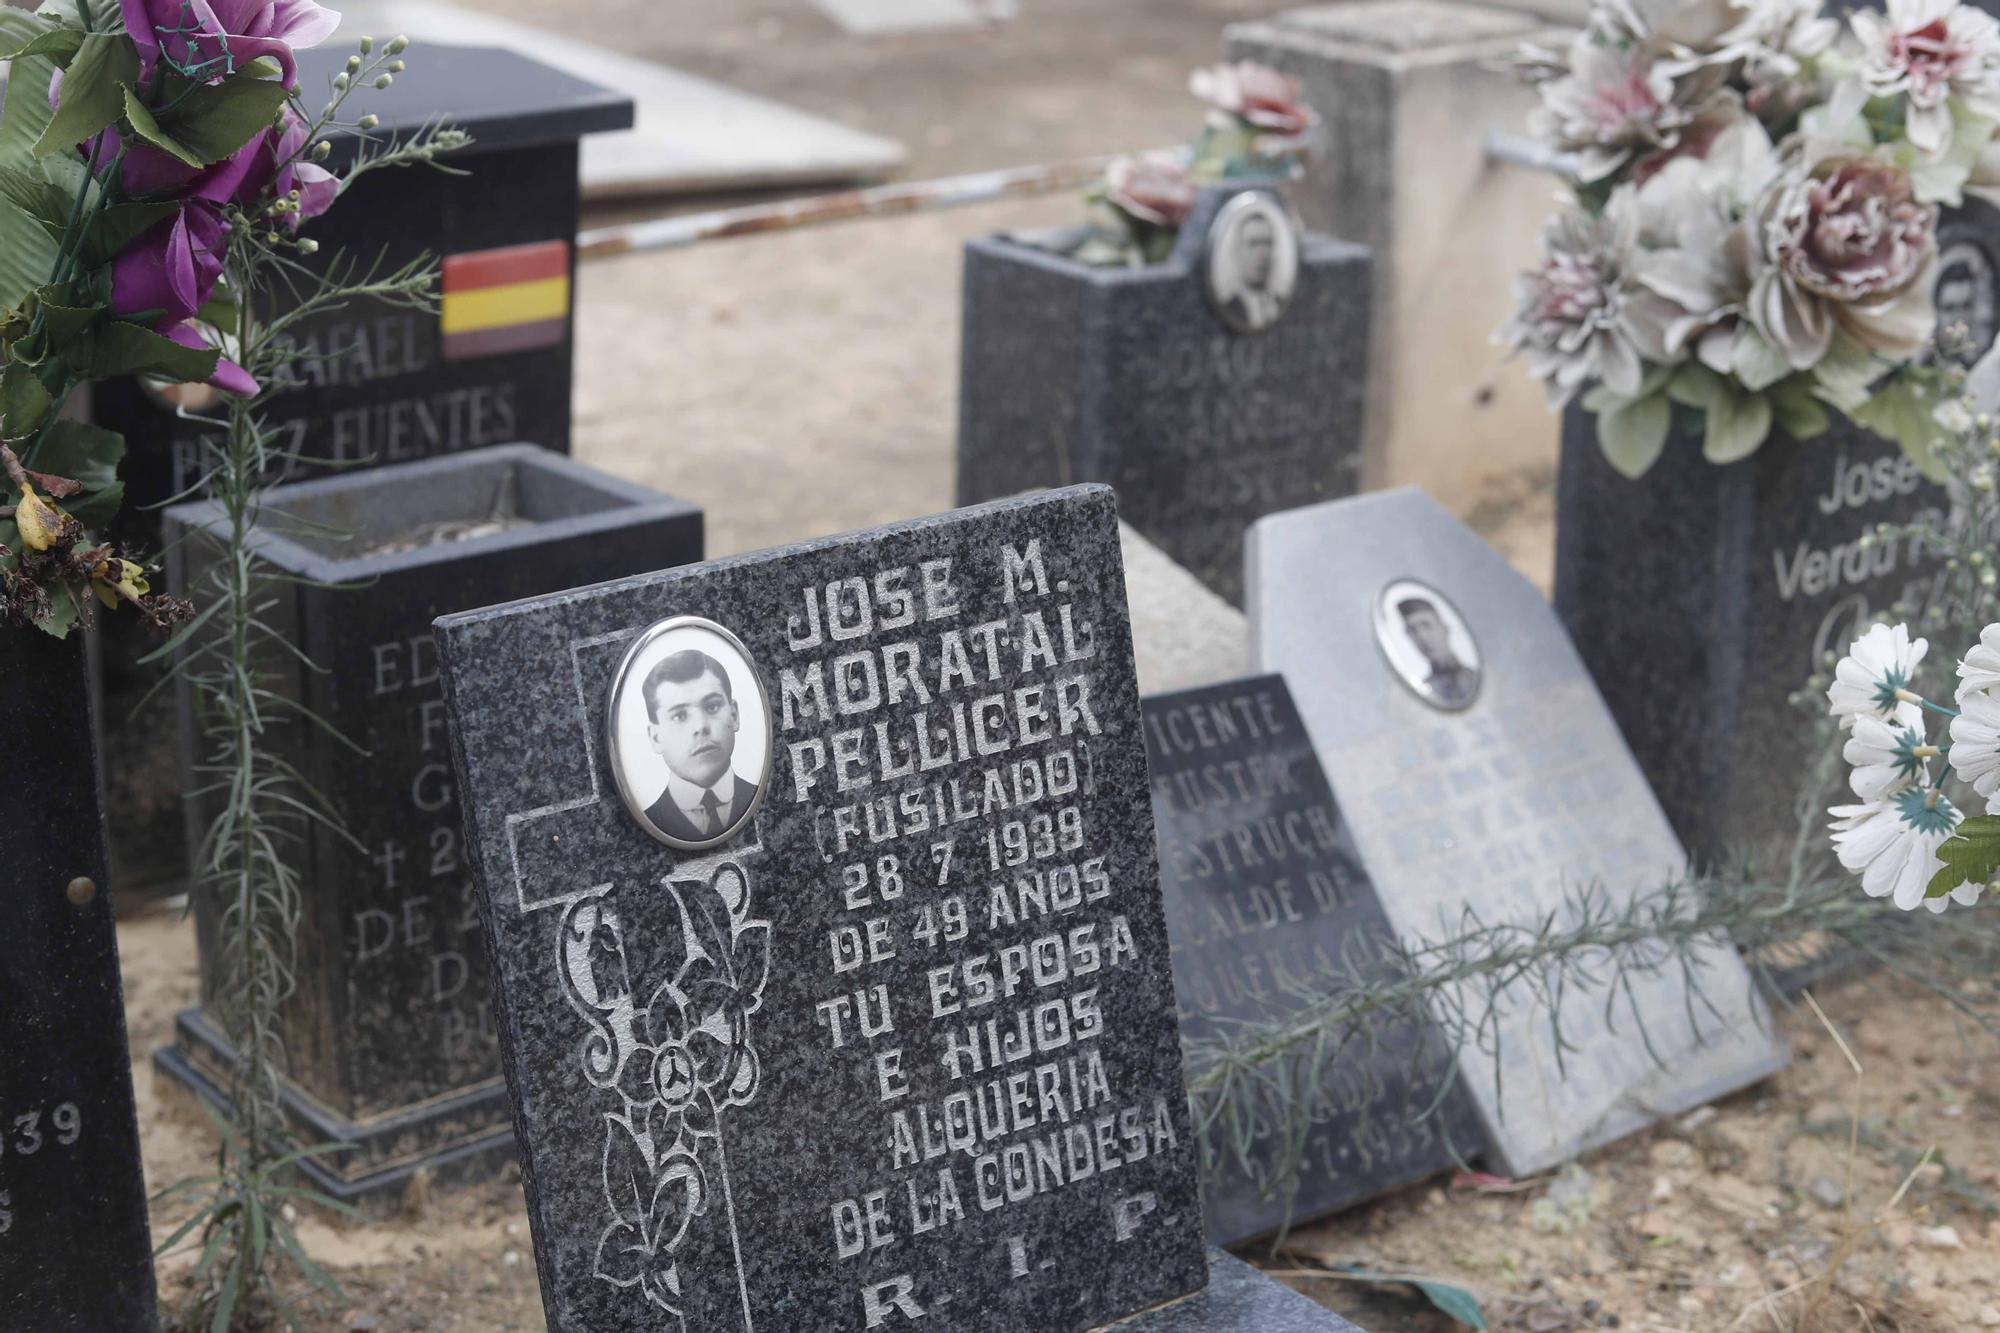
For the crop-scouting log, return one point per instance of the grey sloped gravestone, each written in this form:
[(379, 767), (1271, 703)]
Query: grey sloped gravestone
[(75, 1252), (1151, 380), (1480, 771), (392, 1054), (830, 967), (1268, 903)]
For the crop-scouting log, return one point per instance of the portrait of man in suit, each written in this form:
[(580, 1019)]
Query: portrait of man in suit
[(695, 719), (1253, 262), (1428, 644), (691, 734), (1450, 680)]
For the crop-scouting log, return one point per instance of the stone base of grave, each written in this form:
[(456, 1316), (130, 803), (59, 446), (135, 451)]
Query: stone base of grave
[(1238, 1299), (458, 1138)]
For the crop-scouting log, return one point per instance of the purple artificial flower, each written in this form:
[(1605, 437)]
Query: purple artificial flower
[(172, 266), (229, 377), (212, 39)]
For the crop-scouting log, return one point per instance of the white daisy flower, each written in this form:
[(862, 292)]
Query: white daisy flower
[(1931, 52), (1975, 746), (1893, 844), (1873, 679), (1980, 670), (1888, 756)]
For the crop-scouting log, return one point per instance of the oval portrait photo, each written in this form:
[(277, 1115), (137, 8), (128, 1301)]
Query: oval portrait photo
[(1253, 261), (1428, 644), (690, 733)]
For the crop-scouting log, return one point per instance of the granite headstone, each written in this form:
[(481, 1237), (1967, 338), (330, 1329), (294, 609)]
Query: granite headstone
[(389, 1031), (1702, 597), (1481, 772), (75, 1252), (882, 1035), (1267, 902), (1135, 377)]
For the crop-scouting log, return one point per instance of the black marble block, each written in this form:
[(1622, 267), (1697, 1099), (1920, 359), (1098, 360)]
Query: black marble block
[(1268, 902), (379, 385), (1240, 1299), (1073, 373), (75, 1252), (939, 1082), (1701, 598), (389, 1032)]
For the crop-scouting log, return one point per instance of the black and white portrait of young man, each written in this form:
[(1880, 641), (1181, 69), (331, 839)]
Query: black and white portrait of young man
[(1253, 261), (690, 734), (1428, 644)]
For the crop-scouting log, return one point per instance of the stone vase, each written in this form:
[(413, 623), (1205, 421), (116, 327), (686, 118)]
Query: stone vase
[(390, 1033), (1703, 597), (74, 1244)]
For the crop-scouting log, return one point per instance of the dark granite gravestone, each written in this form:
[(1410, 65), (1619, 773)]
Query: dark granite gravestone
[(1480, 772), (1134, 377), (75, 1252), (887, 1037), (1702, 597), (380, 385), (390, 1032), (1267, 901)]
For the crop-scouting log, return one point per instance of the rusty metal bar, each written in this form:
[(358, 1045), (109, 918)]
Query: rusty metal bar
[(879, 201)]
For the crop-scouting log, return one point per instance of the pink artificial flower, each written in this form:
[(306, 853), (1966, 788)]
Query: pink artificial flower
[(212, 39), (1152, 187), (1930, 51), (1255, 94)]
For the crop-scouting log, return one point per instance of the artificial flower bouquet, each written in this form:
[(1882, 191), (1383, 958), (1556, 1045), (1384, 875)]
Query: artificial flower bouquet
[(1907, 835), (142, 143), (1254, 128), (1752, 231)]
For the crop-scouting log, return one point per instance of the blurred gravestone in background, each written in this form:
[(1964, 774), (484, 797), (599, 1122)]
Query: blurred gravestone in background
[(1407, 92), (1133, 376)]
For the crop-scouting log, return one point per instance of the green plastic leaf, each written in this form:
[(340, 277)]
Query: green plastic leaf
[(93, 92), (1737, 424), (220, 309), (1901, 410), (1971, 854), (103, 17), (1693, 385), (96, 510), (1633, 433), (126, 349), (38, 197), (146, 128), (1796, 412), (27, 251), (63, 611), (216, 119), (115, 227), (1756, 364), (59, 44), (23, 401), (1460, 1305), (86, 454)]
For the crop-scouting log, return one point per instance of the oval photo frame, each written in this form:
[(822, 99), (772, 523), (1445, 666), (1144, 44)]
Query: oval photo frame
[(1248, 287), (1429, 645), (667, 766)]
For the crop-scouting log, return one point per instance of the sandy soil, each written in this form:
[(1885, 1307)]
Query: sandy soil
[(1709, 1224)]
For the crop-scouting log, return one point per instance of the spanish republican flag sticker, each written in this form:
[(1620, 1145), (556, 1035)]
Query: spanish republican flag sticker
[(509, 300)]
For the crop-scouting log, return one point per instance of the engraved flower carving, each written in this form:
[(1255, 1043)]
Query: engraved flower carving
[(654, 1196)]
